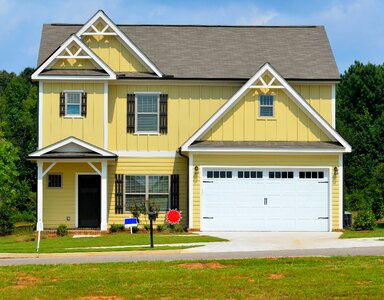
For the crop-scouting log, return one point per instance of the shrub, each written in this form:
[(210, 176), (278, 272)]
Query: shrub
[(161, 227), (62, 230), (135, 229), (365, 220), (7, 222), (116, 227), (176, 228), (146, 227)]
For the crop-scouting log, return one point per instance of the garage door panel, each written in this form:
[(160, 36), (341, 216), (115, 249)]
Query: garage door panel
[(266, 203)]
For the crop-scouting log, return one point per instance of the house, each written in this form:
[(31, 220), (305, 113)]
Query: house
[(232, 125)]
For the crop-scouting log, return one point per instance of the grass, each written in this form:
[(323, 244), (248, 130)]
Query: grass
[(24, 244), (293, 278), (377, 232)]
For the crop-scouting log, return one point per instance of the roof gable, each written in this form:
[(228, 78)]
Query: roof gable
[(276, 82), (73, 49), (101, 25)]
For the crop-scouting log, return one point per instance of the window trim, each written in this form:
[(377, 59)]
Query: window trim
[(157, 131), (55, 187), (73, 116), (273, 106), (147, 194)]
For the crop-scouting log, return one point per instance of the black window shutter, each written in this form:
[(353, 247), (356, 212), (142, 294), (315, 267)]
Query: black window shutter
[(84, 104), (62, 104), (175, 191), (119, 193), (131, 113), (163, 113)]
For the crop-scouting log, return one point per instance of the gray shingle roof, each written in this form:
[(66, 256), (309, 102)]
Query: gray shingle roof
[(221, 52)]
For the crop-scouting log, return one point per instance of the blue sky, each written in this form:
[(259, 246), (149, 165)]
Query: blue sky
[(355, 28)]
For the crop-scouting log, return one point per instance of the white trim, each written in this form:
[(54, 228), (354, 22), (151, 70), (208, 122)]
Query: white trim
[(126, 41), (190, 190), (333, 97), (288, 167), (300, 101), (146, 153), (84, 47), (94, 168), (341, 191), (157, 131), (330, 183), (68, 141), (39, 225), (48, 169), (74, 78), (40, 115), (105, 112), (263, 150)]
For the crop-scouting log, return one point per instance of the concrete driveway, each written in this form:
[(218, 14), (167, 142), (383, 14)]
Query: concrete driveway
[(275, 241)]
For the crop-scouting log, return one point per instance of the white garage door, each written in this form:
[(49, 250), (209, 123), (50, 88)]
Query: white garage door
[(264, 200)]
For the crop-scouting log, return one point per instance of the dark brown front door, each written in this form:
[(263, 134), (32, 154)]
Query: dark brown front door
[(89, 197)]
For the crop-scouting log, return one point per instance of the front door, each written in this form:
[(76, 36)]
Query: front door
[(89, 197)]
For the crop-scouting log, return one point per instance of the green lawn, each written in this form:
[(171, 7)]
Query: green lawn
[(377, 232), (17, 243), (293, 278)]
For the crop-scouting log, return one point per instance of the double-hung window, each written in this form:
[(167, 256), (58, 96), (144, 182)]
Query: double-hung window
[(266, 105), (73, 103), (147, 190), (147, 112)]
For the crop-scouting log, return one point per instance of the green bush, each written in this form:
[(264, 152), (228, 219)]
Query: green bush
[(62, 230), (161, 227), (176, 228), (135, 229), (116, 227), (7, 222), (146, 227), (365, 220)]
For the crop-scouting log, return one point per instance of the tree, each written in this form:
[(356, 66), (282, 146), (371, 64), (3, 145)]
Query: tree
[(360, 120)]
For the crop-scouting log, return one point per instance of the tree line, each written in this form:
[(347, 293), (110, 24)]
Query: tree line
[(360, 120)]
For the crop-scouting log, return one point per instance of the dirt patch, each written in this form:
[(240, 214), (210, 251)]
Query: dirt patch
[(101, 298), (212, 265), (26, 281), (271, 258), (276, 276)]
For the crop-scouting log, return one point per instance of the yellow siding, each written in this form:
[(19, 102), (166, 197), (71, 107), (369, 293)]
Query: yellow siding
[(265, 160), (147, 166), (320, 98), (114, 54), (74, 64), (188, 108), (60, 203), (89, 128), (289, 123)]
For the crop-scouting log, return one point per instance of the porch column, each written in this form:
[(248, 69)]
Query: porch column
[(39, 225), (104, 206)]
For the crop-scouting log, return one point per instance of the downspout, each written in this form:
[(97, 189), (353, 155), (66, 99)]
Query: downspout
[(187, 158)]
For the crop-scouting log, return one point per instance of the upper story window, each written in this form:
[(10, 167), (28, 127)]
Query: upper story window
[(73, 104), (266, 105), (147, 113)]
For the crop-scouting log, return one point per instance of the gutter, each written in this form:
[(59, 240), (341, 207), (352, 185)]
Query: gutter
[(187, 158)]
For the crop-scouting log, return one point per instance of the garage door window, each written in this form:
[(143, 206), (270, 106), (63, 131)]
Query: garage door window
[(249, 174), (311, 175), (281, 175), (219, 174)]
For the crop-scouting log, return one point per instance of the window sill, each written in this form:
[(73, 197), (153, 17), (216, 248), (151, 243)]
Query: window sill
[(73, 117), (147, 133), (266, 119)]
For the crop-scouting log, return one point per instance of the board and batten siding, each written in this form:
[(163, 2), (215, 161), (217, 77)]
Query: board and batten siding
[(147, 166), (289, 123), (325, 161), (89, 128), (60, 203)]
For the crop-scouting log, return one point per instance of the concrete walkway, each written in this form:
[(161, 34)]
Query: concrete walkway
[(275, 241)]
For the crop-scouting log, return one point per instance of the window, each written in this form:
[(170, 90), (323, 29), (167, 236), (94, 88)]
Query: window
[(148, 190), (281, 175), (266, 105), (219, 174), (250, 174), (147, 110), (54, 181), (73, 103), (311, 175)]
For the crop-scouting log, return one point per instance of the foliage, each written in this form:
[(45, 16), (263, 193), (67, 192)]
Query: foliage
[(7, 222), (161, 227), (360, 120), (365, 220), (62, 230), (142, 208), (176, 228), (116, 227), (135, 229)]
